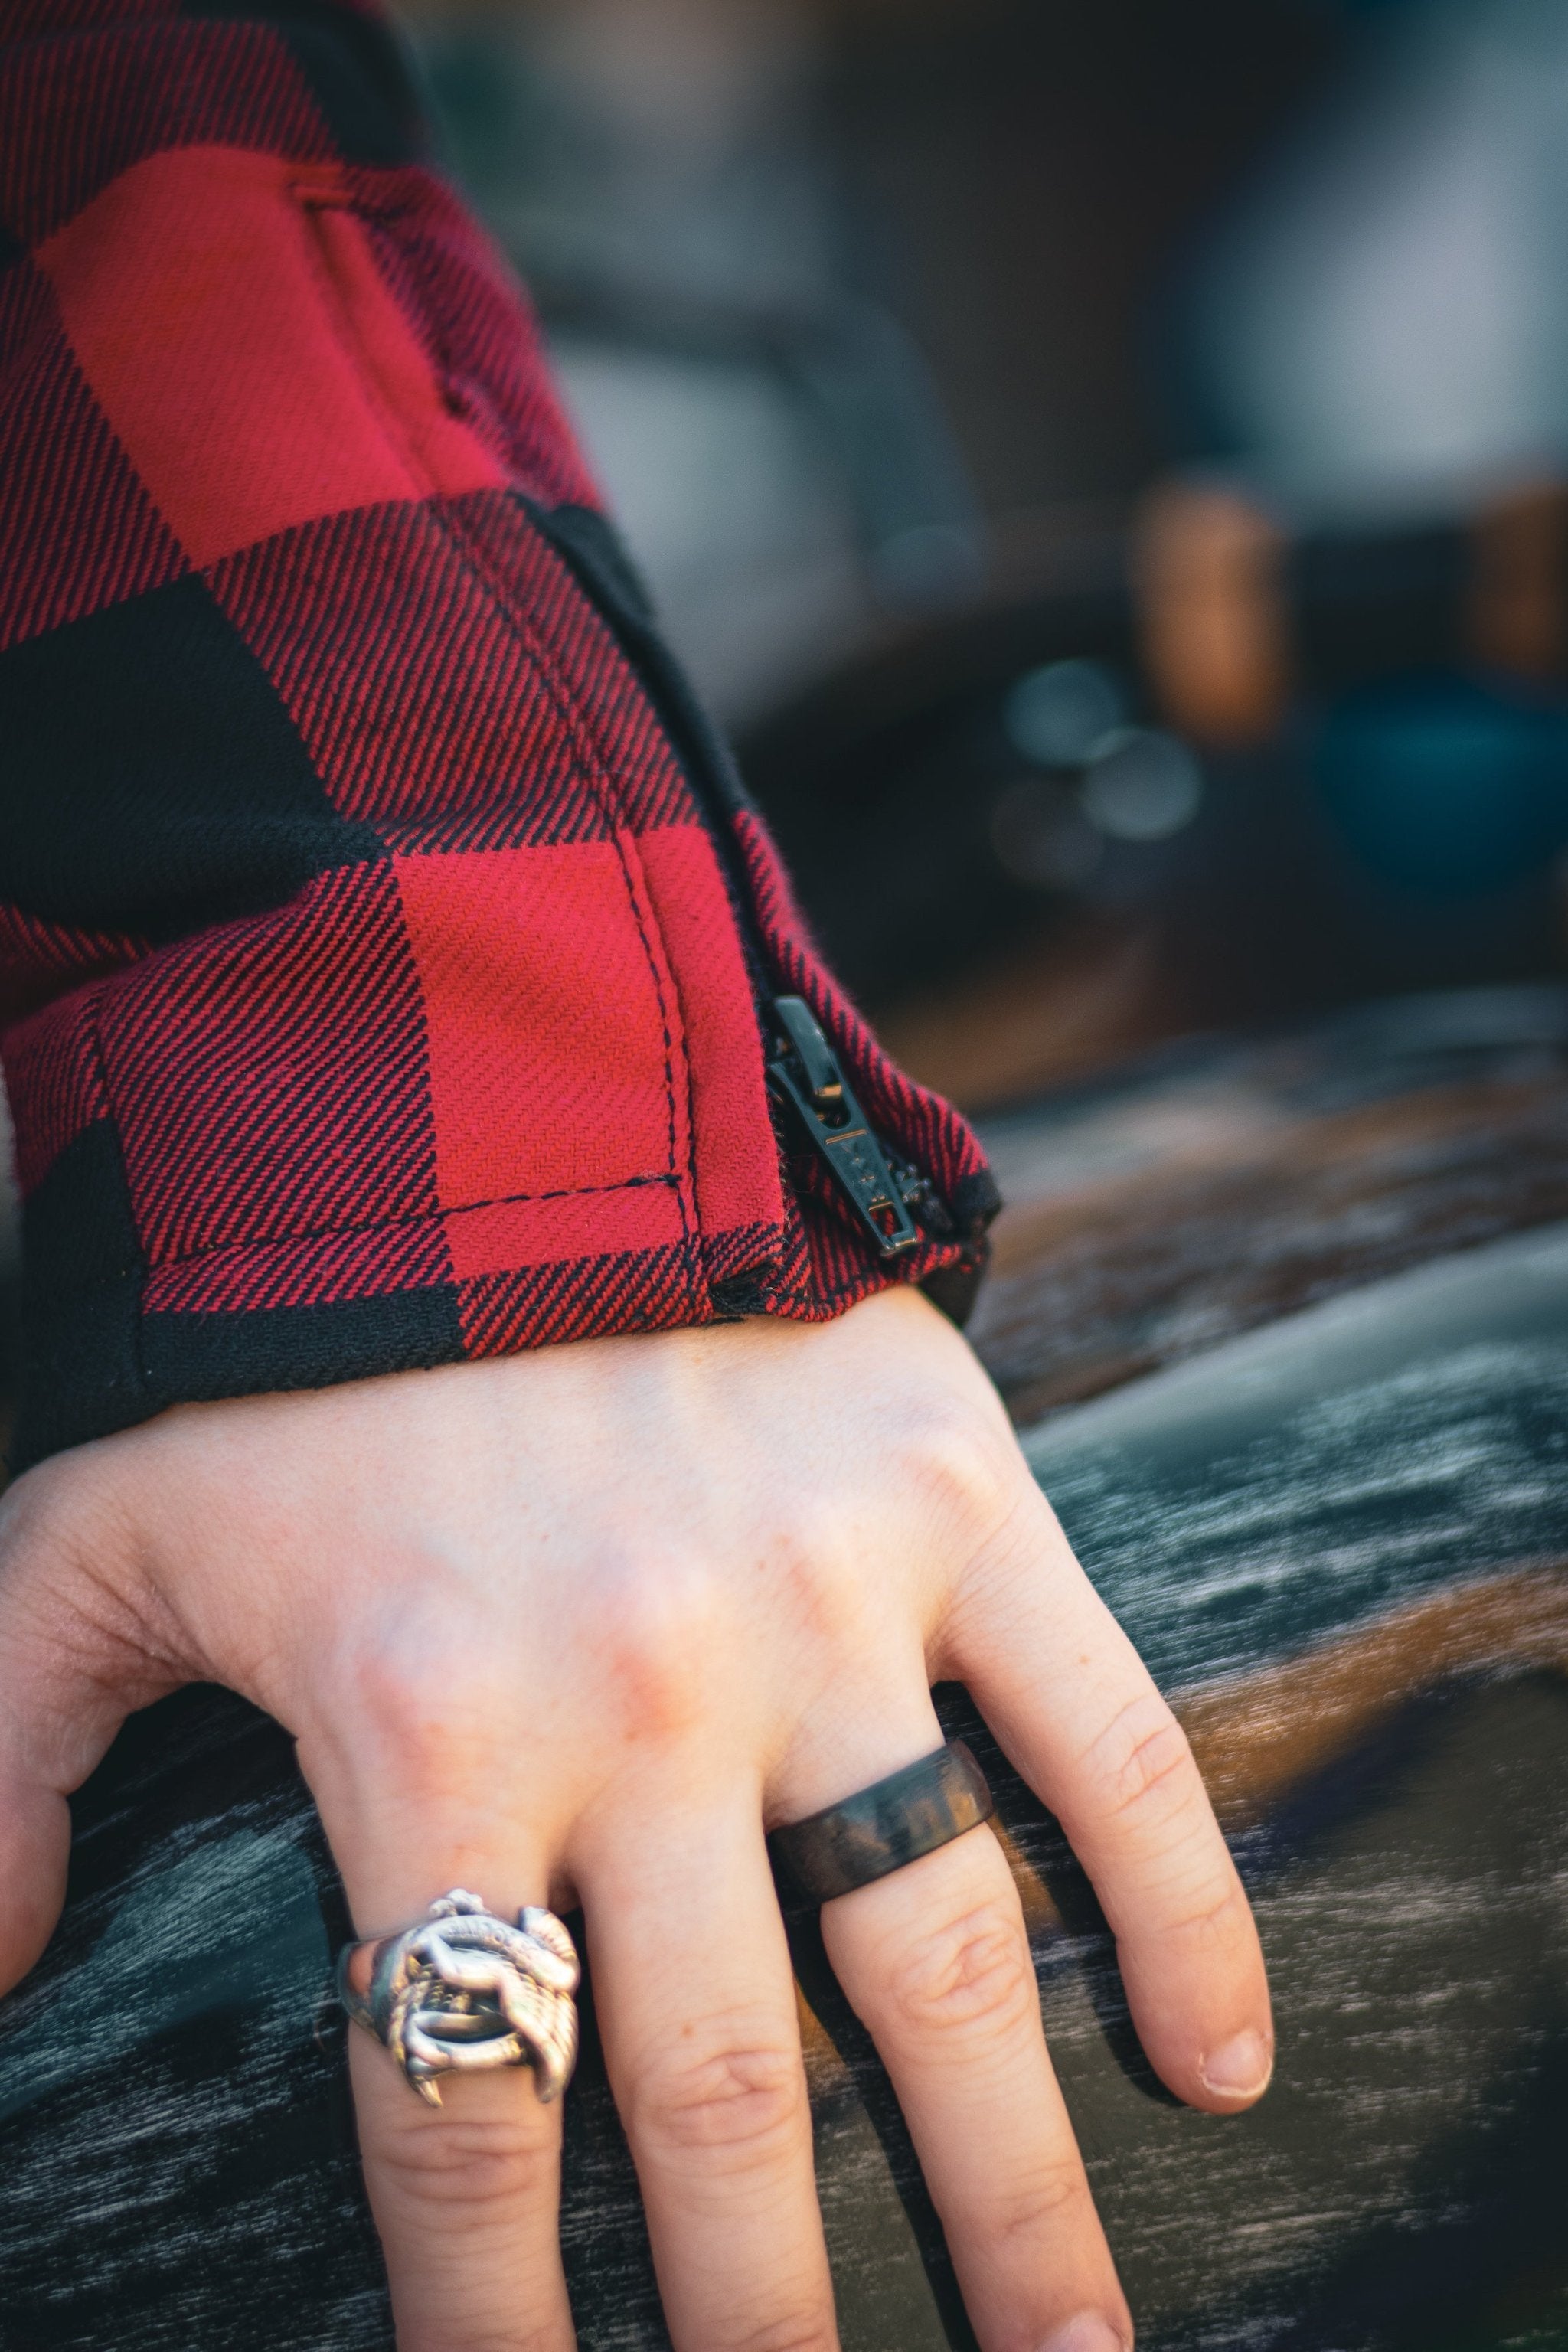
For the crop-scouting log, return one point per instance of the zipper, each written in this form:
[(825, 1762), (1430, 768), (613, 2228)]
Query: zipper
[(883, 1191), (806, 1076)]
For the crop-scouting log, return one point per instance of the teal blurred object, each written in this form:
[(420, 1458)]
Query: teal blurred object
[(1445, 785)]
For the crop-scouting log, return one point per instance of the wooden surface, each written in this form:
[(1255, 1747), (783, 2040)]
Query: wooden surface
[(1220, 1187), (1339, 1537)]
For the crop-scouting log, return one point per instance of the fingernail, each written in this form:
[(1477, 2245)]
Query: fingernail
[(1087, 2333), (1240, 2069)]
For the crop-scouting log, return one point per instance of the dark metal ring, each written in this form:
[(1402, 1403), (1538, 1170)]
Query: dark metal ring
[(885, 1827)]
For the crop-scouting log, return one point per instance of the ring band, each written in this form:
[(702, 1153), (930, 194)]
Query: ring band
[(462, 1990), (885, 1827)]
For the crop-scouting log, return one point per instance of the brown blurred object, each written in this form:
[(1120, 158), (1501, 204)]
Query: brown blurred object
[(1054, 1010), (1518, 612), (1208, 578), (1256, 1735)]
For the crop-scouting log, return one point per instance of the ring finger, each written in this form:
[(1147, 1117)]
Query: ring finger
[(466, 2195)]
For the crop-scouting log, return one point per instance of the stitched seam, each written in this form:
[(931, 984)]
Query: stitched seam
[(411, 247), (471, 554), (691, 1102), (581, 732), (908, 1271), (601, 782), (591, 753), (422, 1217), (600, 776), (317, 1232), (311, 202)]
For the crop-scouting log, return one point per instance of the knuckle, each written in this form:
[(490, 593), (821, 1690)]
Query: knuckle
[(468, 2173), (958, 1464), (742, 2101), (809, 2330), (520, 2334), (431, 1712), (972, 1975), (658, 1644), (1141, 1765), (819, 1573), (1214, 1924), (1035, 2209)]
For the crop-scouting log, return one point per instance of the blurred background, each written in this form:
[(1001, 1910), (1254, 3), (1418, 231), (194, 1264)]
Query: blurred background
[(1106, 462), (1104, 465)]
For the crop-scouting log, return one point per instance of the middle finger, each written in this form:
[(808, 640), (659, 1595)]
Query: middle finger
[(696, 2004)]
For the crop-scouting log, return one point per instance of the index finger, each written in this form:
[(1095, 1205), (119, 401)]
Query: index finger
[(1078, 1712)]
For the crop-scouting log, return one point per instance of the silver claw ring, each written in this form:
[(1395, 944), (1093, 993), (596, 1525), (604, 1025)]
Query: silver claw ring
[(461, 1991)]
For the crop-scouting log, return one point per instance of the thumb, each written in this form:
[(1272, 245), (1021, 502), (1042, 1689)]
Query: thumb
[(75, 1659)]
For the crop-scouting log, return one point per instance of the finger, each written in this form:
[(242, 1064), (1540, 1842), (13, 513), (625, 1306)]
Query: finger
[(466, 2196), (466, 2199), (696, 2004), (35, 1847), (936, 1961), (73, 1665), (1075, 1709)]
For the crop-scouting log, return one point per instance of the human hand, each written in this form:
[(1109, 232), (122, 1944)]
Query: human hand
[(575, 1626)]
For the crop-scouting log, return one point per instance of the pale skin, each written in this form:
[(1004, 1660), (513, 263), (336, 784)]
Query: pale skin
[(578, 1627)]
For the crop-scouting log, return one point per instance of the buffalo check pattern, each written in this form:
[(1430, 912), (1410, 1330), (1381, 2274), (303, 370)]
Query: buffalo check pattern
[(385, 941)]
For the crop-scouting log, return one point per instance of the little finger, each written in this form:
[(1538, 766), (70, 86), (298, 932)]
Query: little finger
[(1073, 1703)]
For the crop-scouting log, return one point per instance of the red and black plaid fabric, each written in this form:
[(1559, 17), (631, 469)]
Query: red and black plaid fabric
[(386, 945)]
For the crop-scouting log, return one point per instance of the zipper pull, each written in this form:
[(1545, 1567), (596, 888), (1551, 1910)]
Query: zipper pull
[(805, 1074)]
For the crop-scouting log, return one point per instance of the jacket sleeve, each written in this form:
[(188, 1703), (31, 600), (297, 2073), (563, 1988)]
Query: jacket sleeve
[(389, 952)]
